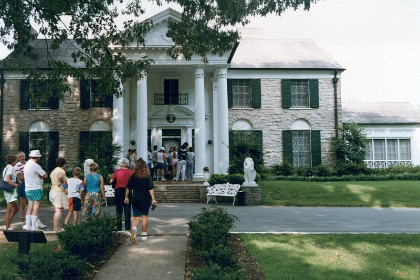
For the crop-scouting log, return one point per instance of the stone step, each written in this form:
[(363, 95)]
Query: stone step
[(175, 192)]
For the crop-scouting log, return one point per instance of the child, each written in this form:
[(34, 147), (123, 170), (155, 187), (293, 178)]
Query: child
[(73, 186)]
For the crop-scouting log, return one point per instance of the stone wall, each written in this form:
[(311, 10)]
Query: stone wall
[(272, 119), (69, 120)]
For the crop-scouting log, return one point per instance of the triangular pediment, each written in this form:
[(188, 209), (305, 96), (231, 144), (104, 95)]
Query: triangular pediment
[(156, 37)]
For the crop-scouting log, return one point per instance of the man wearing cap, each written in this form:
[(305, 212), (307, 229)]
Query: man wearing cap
[(34, 179)]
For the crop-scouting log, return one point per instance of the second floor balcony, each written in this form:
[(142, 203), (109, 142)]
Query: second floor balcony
[(170, 99)]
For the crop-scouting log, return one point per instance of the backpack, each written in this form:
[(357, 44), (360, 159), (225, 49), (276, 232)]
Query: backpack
[(183, 155)]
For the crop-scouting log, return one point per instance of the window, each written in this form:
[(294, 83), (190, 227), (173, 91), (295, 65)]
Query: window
[(244, 93), (92, 97), (383, 153), (32, 97), (170, 91), (302, 147), (39, 137), (300, 93)]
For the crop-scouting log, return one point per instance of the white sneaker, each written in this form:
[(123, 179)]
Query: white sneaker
[(144, 236), (25, 227), (39, 224), (10, 228)]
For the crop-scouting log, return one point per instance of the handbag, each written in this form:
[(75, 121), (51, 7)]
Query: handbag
[(6, 187)]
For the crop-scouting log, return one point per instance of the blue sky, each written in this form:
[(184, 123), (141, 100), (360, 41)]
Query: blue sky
[(377, 41)]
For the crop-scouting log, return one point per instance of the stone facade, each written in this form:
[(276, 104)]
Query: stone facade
[(69, 120), (272, 119)]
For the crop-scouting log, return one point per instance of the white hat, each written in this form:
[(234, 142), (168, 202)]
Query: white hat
[(162, 149), (35, 153)]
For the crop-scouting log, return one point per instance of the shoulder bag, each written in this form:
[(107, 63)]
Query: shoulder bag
[(4, 186)]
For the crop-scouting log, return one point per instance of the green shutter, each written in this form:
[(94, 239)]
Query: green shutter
[(24, 94), (256, 93), (287, 146), (83, 145), (84, 94), (316, 147), (230, 93), (286, 93), (258, 136), (24, 142), (53, 144), (314, 93), (53, 102), (109, 101)]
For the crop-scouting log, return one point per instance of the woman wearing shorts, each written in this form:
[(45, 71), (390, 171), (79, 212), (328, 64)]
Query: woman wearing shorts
[(141, 186), (95, 193)]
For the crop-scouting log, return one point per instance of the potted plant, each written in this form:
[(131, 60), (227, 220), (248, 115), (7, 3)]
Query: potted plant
[(206, 171)]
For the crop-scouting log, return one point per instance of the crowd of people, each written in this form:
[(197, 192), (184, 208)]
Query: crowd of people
[(174, 165), (132, 181)]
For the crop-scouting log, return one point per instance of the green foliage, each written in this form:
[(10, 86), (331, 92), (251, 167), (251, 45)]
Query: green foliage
[(215, 272), (284, 169), (352, 168), (322, 171), (209, 232), (351, 147), (227, 178), (51, 266), (241, 146), (206, 28), (89, 240)]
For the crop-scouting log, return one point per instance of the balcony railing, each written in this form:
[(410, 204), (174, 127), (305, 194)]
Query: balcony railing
[(174, 99), (386, 163)]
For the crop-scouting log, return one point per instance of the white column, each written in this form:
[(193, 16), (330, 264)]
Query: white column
[(223, 122), (215, 129), (200, 123), (118, 123), (141, 118), (126, 118)]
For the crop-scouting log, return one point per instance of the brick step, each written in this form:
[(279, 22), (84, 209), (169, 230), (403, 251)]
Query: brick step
[(175, 192)]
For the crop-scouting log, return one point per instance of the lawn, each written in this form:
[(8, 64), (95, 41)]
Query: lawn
[(341, 194), (342, 256)]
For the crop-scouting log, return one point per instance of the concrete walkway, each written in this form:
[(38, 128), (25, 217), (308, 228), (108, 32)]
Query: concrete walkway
[(163, 255)]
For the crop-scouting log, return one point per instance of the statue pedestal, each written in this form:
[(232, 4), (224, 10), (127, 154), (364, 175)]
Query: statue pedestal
[(206, 177)]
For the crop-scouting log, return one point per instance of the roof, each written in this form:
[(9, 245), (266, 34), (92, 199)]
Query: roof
[(380, 113), (40, 47), (281, 54)]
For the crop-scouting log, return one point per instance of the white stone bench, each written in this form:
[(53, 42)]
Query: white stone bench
[(109, 192), (228, 190)]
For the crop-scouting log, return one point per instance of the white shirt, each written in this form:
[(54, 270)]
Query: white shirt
[(74, 186), (31, 172), (9, 171), (18, 168)]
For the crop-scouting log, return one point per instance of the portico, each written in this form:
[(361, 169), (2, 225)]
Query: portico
[(177, 101)]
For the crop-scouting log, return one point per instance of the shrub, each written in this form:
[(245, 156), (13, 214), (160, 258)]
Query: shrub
[(349, 168), (219, 254), (51, 265), (227, 178), (304, 171), (215, 272), (210, 228), (89, 240), (322, 171), (284, 169)]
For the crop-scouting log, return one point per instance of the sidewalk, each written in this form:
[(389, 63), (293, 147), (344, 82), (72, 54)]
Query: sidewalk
[(163, 255)]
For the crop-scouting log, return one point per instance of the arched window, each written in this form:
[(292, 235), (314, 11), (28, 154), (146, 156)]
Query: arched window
[(301, 144)]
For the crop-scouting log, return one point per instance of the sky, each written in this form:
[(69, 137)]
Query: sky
[(376, 41)]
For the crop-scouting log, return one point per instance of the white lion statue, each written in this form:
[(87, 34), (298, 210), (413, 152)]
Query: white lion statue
[(249, 172)]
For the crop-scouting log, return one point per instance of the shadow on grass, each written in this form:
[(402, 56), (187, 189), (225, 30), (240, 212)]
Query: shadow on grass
[(336, 256)]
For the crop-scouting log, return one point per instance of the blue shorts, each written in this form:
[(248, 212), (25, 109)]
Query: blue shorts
[(34, 195), (160, 165), (21, 190)]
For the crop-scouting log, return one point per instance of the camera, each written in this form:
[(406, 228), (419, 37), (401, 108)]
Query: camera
[(153, 206)]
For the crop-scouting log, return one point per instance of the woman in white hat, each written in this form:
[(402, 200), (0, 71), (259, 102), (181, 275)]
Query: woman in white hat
[(34, 179)]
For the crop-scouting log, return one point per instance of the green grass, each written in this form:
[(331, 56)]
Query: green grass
[(342, 256), (9, 253), (341, 194)]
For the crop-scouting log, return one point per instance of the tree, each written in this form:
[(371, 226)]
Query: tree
[(207, 27), (351, 147)]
